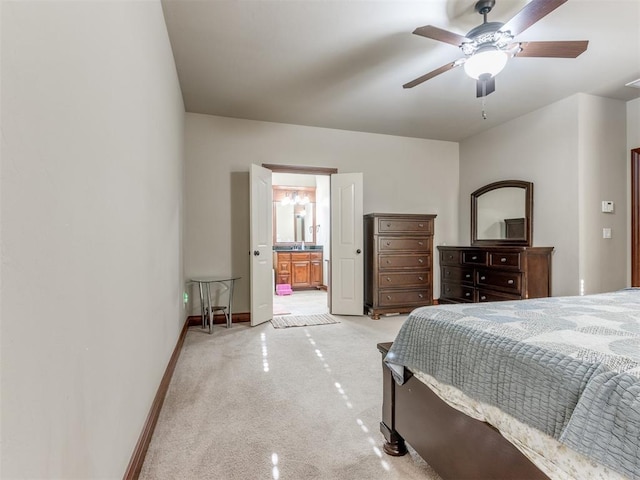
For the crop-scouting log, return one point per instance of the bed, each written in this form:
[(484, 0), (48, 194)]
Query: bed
[(541, 388)]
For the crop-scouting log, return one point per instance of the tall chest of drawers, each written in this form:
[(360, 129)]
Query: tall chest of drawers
[(490, 274), (398, 251)]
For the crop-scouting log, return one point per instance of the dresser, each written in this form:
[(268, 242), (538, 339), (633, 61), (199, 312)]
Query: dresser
[(398, 251), (300, 269), (490, 274)]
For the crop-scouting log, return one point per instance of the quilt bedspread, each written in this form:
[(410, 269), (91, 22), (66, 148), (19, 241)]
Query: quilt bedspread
[(568, 366)]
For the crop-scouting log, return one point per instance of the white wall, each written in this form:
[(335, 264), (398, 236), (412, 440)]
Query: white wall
[(633, 124), (573, 156), (400, 175), (603, 176), (91, 216)]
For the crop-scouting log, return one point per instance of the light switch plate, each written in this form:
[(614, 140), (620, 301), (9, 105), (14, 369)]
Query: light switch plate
[(606, 233), (607, 206)]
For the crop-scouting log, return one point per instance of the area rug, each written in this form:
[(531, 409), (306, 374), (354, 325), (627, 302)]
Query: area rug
[(303, 320)]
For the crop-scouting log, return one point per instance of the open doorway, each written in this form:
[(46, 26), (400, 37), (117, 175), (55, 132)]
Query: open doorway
[(301, 240)]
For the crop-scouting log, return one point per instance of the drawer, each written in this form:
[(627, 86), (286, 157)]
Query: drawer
[(390, 298), (315, 255), (393, 225), (474, 257), (506, 281), (403, 279), (300, 256), (408, 261), (449, 257), (283, 256), (491, 296), (504, 259), (457, 274), (415, 244), (458, 292)]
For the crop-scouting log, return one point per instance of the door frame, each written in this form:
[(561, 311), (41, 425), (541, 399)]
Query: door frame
[(300, 169), (635, 217), (303, 170)]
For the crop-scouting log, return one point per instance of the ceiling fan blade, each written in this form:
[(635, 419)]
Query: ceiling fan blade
[(432, 74), (562, 49), (441, 35), (530, 14)]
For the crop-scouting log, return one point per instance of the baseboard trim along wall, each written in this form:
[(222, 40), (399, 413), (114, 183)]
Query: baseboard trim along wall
[(140, 451), (219, 318)]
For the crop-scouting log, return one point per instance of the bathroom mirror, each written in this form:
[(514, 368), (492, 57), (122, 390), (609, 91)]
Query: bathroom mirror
[(294, 215), (502, 214)]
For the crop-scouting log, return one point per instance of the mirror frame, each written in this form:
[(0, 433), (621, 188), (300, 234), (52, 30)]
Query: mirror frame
[(528, 237)]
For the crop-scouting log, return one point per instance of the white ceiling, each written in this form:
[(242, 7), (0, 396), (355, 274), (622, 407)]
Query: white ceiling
[(342, 63)]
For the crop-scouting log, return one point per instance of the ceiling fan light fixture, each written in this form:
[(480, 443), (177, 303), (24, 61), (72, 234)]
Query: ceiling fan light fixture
[(487, 60)]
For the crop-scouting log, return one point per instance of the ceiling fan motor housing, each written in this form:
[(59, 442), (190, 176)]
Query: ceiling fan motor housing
[(484, 6), (488, 33)]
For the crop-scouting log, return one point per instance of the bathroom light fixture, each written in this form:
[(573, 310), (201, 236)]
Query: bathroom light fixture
[(294, 199)]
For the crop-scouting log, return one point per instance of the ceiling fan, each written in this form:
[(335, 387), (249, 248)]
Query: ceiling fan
[(488, 46)]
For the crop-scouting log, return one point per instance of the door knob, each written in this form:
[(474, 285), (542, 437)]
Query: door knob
[(358, 251), (256, 252)]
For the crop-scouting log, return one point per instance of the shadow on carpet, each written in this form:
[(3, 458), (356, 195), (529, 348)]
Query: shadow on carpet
[(303, 320)]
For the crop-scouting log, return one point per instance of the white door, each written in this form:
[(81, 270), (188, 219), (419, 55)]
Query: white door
[(261, 233), (347, 264)]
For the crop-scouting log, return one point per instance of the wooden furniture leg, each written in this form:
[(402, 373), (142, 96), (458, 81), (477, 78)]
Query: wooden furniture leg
[(394, 444)]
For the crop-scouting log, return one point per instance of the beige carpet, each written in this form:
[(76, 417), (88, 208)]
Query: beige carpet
[(303, 320), (253, 403)]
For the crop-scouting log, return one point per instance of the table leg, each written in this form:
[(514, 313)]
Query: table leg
[(201, 302), (230, 317), (209, 309)]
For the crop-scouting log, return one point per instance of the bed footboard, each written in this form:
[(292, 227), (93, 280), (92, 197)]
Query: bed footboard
[(454, 444)]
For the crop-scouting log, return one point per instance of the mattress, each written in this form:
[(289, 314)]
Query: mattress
[(567, 367)]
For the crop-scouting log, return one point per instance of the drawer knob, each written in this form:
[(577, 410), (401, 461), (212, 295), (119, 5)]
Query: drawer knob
[(483, 278), (388, 224), (420, 295), (483, 297), (388, 261), (421, 225), (388, 243), (420, 260), (474, 258), (503, 259), (448, 273), (388, 279), (388, 297), (420, 243), (468, 275), (420, 278), (448, 289), (510, 282), (467, 294)]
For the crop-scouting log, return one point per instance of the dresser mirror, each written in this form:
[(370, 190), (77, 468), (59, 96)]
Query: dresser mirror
[(294, 215), (502, 214)]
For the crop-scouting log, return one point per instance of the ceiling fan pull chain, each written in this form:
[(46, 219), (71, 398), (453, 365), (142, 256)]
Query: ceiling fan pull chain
[(484, 111)]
